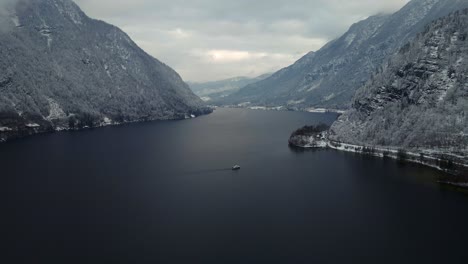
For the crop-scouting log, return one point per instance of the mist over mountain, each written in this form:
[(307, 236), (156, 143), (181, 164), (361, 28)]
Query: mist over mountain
[(330, 77), (61, 69), (216, 90)]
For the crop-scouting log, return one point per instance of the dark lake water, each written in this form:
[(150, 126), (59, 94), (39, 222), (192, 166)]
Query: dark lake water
[(162, 192)]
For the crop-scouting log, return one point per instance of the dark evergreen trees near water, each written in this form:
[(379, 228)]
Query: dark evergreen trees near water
[(308, 135), (311, 130), (402, 155)]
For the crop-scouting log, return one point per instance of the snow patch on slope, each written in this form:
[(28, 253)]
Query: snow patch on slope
[(15, 20), (350, 38), (55, 111), (46, 31)]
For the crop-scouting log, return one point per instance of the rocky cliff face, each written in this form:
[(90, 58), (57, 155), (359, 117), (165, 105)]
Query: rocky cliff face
[(419, 99), (329, 77), (59, 69)]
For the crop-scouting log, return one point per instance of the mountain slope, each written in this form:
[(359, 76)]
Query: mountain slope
[(419, 100), (329, 77), (60, 70), (216, 90)]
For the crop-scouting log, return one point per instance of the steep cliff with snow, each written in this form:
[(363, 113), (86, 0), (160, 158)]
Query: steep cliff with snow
[(419, 99), (59, 69), (329, 77)]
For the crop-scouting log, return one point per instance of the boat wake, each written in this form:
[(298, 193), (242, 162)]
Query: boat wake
[(208, 171)]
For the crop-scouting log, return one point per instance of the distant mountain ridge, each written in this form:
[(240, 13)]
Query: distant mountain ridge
[(215, 90), (329, 77), (61, 69)]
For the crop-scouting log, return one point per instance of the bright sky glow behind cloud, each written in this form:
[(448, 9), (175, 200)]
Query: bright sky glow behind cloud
[(216, 39)]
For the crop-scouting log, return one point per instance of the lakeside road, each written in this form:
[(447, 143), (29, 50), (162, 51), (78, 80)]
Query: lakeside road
[(450, 163)]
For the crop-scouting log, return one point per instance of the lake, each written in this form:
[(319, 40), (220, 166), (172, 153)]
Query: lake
[(163, 192)]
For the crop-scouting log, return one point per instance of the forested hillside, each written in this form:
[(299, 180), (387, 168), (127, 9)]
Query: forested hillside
[(59, 69), (419, 99), (330, 77)]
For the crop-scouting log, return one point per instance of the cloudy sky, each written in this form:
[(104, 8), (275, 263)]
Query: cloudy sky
[(208, 40)]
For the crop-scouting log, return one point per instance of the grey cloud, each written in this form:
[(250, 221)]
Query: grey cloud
[(265, 35)]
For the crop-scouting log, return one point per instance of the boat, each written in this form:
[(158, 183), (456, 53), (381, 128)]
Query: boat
[(236, 167)]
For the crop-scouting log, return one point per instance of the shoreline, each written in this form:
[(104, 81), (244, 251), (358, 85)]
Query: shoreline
[(285, 108), (449, 163), (8, 135)]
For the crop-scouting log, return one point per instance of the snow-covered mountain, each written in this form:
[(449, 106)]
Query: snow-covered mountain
[(419, 99), (216, 90), (329, 77), (60, 69)]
